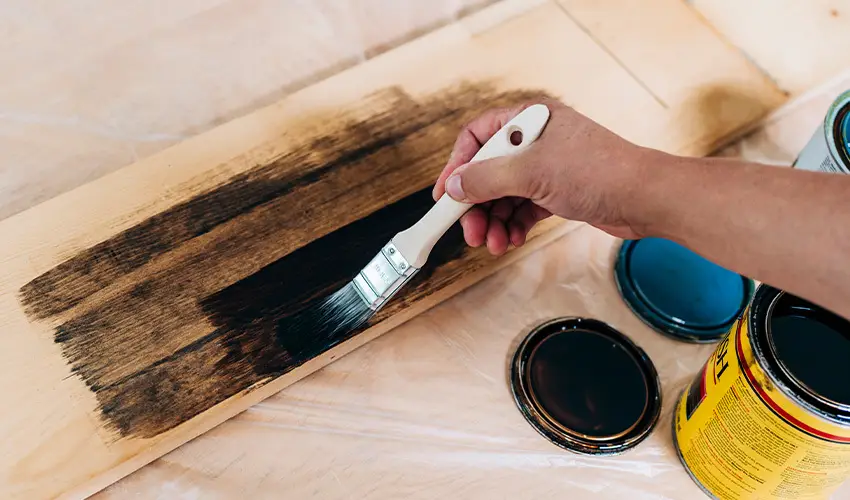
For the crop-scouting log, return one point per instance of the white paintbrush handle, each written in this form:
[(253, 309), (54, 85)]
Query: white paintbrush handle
[(415, 243)]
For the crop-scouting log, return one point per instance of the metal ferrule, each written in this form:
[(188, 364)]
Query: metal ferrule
[(383, 276)]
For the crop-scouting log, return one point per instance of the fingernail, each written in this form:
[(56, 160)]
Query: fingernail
[(455, 188)]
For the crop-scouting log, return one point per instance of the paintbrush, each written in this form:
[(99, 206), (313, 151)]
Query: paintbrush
[(399, 260)]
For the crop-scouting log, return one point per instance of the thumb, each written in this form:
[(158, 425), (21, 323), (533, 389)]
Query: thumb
[(487, 180)]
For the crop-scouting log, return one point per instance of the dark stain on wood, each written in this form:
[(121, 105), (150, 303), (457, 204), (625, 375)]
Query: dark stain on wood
[(307, 275), (179, 312)]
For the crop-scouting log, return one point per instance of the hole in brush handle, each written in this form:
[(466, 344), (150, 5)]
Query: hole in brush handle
[(516, 137)]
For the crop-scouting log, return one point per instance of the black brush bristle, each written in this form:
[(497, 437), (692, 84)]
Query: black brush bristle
[(332, 319)]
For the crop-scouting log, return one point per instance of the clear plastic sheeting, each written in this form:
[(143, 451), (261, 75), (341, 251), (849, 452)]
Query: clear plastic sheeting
[(93, 85)]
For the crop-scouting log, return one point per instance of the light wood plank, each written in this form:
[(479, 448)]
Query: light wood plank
[(650, 36), (785, 132), (800, 43)]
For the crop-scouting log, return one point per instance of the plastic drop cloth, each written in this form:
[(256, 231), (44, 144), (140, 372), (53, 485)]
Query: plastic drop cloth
[(425, 411)]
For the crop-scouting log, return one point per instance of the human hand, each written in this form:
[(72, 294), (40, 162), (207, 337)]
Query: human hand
[(577, 169)]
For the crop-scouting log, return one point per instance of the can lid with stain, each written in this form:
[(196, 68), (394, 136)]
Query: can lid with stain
[(679, 293), (585, 386)]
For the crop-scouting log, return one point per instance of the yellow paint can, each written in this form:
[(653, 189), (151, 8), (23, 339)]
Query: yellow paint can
[(768, 417)]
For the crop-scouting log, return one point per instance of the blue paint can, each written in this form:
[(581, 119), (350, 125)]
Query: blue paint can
[(679, 293)]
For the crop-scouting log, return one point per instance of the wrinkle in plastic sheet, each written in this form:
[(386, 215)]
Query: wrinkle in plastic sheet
[(426, 411)]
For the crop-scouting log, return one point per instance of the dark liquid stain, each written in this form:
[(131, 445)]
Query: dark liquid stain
[(814, 346), (248, 312), (178, 313), (588, 383), (247, 347)]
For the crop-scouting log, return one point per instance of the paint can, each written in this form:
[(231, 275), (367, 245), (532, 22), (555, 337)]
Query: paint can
[(679, 293), (585, 386), (829, 148), (768, 417)]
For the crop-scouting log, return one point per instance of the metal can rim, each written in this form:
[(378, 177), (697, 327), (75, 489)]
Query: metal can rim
[(676, 330), (762, 306), (535, 415), (837, 110)]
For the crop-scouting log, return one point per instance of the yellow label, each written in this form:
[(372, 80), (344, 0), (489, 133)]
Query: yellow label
[(741, 438)]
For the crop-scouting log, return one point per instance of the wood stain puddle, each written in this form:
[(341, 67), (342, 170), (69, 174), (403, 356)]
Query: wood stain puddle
[(179, 312)]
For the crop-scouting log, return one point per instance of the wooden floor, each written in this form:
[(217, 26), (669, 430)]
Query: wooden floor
[(799, 43), (422, 412)]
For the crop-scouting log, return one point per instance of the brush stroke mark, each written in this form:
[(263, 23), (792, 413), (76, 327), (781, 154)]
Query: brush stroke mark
[(66, 285), (176, 314), (262, 300), (404, 128), (244, 349)]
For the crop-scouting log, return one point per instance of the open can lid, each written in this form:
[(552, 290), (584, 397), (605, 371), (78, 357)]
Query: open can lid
[(585, 386), (837, 128), (679, 293)]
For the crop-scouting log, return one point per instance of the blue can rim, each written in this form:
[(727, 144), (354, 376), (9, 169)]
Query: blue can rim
[(665, 324)]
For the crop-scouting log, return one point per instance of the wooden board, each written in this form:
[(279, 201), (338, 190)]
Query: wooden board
[(139, 311), (799, 43)]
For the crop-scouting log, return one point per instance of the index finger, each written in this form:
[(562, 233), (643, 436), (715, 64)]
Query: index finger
[(472, 136)]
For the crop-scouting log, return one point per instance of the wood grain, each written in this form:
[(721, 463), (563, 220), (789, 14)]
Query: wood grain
[(785, 132), (799, 43), (122, 302), (127, 80)]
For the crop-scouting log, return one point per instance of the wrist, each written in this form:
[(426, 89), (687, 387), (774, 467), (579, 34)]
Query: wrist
[(651, 190)]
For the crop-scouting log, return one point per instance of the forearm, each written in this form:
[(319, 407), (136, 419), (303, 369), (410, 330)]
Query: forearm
[(785, 227)]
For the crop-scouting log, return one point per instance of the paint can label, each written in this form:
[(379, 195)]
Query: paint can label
[(817, 157), (740, 437), (828, 149)]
